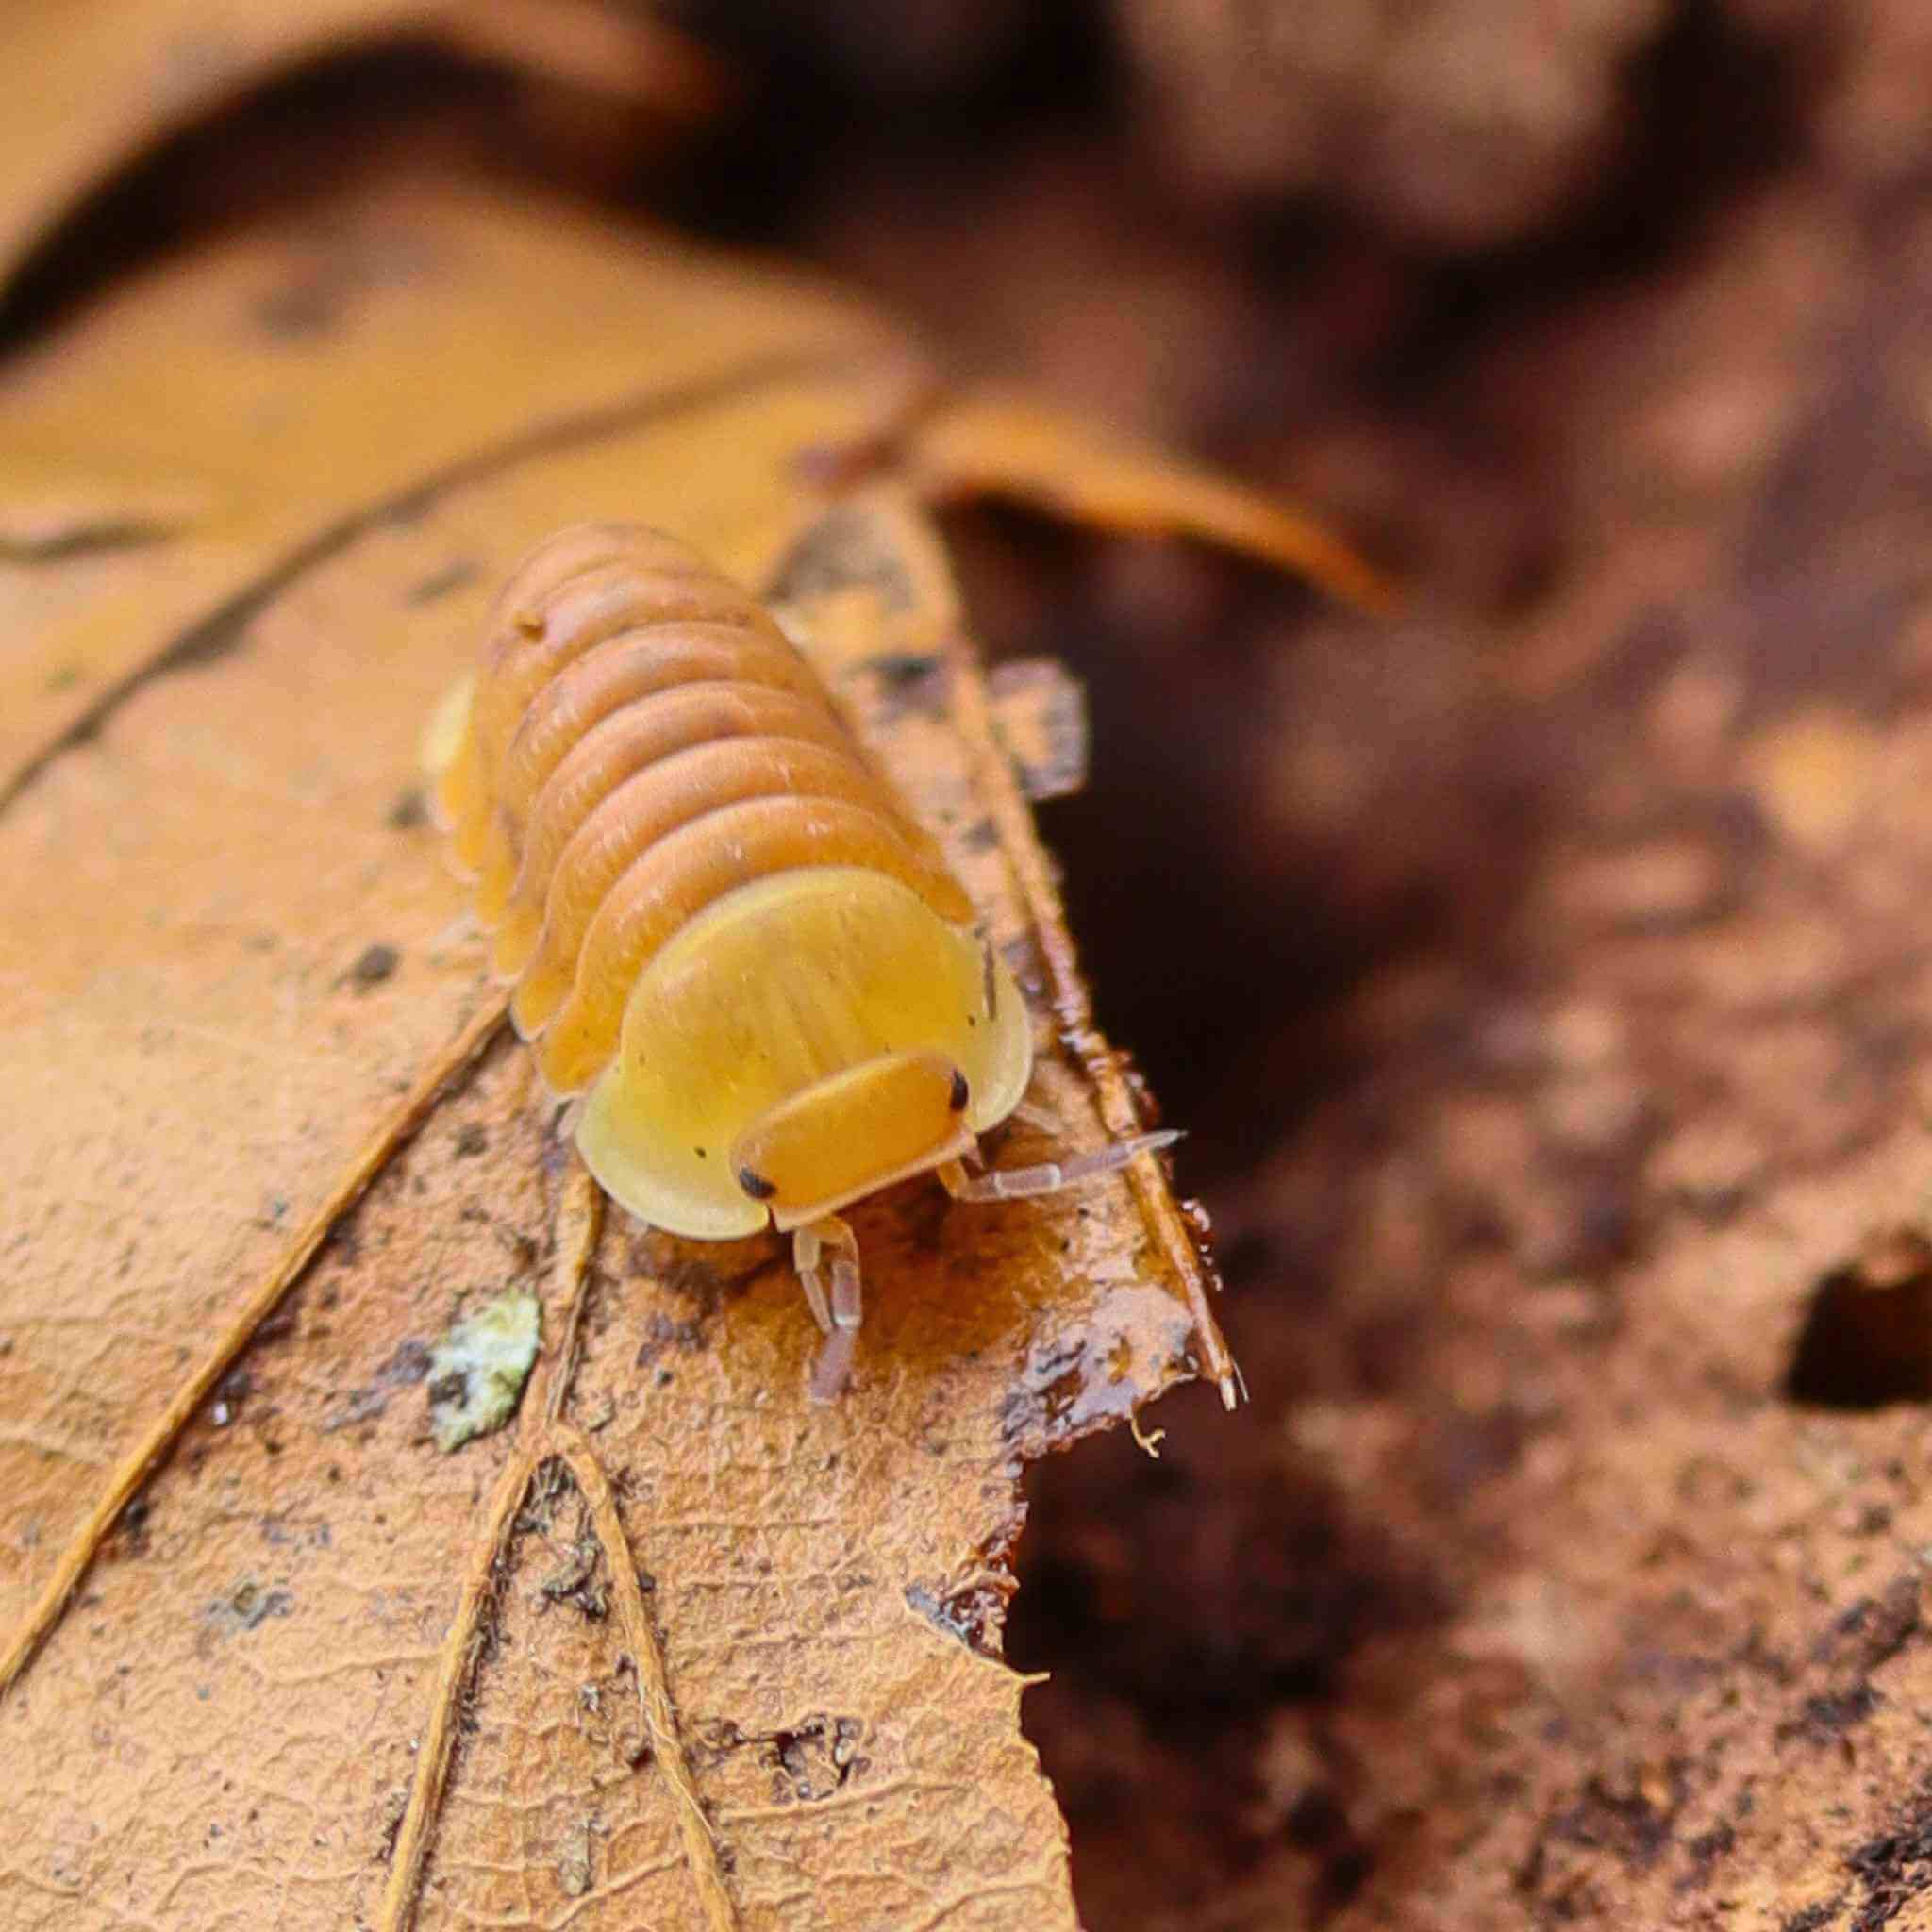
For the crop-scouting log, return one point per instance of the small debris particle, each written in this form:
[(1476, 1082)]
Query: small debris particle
[(409, 810), (133, 1526), (973, 1613), (409, 1365), (1826, 1717), (1814, 1918), (1039, 715), (1895, 1869), (1875, 1628), (1707, 1847), (247, 1606), (903, 668), (573, 1867), (576, 1582), (661, 1334), (471, 1142), (231, 1393), (453, 577), (376, 964), (911, 683), (842, 550), (394, 1808), (477, 1370)]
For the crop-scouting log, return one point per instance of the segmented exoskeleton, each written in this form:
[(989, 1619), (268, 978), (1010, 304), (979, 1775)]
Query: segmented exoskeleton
[(726, 932)]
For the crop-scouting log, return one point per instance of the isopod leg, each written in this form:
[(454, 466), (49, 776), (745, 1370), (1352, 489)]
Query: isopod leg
[(840, 1314), (1049, 1176), (805, 1261)]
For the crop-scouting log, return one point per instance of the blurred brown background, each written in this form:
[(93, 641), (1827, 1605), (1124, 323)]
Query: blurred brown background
[(1504, 960)]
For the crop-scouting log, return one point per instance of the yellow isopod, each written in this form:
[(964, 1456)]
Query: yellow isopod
[(726, 931)]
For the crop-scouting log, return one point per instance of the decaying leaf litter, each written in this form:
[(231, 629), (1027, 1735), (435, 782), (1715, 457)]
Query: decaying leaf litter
[(264, 1176), (1545, 1588), (1555, 1594)]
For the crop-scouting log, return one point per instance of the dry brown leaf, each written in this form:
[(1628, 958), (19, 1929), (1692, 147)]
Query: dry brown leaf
[(327, 378), (87, 90), (995, 442), (678, 1648), (209, 431)]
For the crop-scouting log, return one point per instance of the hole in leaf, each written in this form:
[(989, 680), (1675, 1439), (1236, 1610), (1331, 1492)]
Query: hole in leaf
[(1868, 1338)]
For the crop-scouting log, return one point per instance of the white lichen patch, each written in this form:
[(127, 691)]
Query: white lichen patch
[(477, 1370)]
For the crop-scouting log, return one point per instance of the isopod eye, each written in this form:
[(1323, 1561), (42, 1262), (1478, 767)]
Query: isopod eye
[(755, 1185), (961, 1094)]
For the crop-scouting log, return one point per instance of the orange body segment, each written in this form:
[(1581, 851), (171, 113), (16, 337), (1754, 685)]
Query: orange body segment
[(610, 682), (690, 863), (686, 872), (647, 807), (525, 652)]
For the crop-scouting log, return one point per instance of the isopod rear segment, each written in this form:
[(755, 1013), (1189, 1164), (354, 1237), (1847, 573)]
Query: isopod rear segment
[(726, 931)]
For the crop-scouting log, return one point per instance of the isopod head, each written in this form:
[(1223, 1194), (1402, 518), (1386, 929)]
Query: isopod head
[(805, 1040)]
